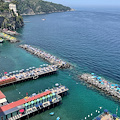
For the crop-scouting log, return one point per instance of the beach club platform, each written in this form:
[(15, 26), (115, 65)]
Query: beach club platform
[(8, 37), (34, 104), (102, 84), (46, 56), (31, 73), (106, 115)]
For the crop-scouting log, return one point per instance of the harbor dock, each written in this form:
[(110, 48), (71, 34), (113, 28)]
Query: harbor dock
[(34, 104), (46, 56), (102, 84), (22, 75), (8, 37)]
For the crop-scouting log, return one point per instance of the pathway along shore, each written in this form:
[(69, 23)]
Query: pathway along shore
[(46, 56), (102, 84)]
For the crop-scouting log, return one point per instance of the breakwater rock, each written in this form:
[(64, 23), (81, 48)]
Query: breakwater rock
[(46, 56), (102, 84)]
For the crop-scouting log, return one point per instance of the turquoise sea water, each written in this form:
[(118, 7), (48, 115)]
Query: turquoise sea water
[(87, 39)]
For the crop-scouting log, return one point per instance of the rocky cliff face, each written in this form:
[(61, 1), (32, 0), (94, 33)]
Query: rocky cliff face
[(10, 21)]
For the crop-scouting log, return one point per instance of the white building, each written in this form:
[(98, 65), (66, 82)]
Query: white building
[(13, 7), (3, 100)]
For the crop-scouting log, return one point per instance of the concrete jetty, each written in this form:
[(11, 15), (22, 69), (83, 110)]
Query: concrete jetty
[(22, 75), (102, 84), (46, 56), (8, 37), (33, 104)]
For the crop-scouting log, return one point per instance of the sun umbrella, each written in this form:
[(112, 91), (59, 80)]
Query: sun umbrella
[(43, 98), (16, 71), (38, 100), (117, 88), (50, 100), (46, 90), (114, 115), (37, 106), (102, 83), (32, 102), (92, 73), (98, 118), (112, 85), (26, 104), (105, 110), (29, 103), (5, 72), (40, 104), (53, 94), (30, 68), (48, 96), (21, 111)]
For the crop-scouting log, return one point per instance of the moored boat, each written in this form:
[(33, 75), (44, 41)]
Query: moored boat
[(58, 118), (52, 113), (1, 40)]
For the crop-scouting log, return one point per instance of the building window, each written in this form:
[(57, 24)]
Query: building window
[(2, 118)]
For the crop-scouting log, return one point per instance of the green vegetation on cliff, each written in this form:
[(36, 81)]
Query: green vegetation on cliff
[(39, 6), (3, 6), (8, 19)]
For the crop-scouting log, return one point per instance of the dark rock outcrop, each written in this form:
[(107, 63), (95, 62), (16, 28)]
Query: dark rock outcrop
[(10, 21)]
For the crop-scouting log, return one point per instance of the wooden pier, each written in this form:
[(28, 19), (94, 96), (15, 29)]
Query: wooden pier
[(102, 84), (23, 75), (46, 56), (34, 104)]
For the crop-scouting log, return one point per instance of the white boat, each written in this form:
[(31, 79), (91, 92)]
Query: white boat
[(56, 84), (1, 40), (52, 113), (43, 19), (58, 118)]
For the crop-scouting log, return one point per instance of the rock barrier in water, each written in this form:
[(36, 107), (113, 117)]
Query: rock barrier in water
[(102, 84), (46, 56)]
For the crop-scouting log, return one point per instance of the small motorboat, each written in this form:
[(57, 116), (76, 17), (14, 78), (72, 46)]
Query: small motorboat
[(56, 84), (43, 19), (52, 113), (58, 118), (1, 40)]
